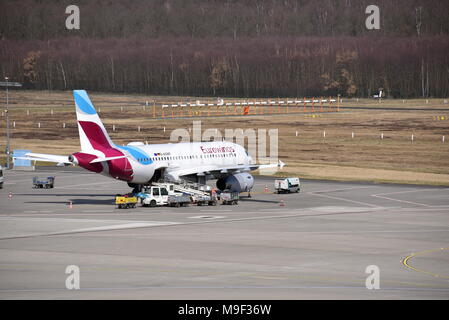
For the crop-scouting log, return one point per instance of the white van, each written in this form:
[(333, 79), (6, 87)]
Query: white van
[(287, 185)]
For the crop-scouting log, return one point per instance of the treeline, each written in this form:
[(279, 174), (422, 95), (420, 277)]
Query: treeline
[(242, 48), (245, 67), (45, 19)]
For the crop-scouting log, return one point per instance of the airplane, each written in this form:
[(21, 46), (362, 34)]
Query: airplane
[(140, 164)]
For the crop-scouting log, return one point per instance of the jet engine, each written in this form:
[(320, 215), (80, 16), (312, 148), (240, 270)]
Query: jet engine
[(239, 182)]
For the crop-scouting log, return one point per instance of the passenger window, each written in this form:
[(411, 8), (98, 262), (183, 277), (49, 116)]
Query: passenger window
[(155, 191), (164, 192)]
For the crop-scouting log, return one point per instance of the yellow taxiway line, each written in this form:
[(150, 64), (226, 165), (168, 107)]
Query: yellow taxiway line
[(406, 261)]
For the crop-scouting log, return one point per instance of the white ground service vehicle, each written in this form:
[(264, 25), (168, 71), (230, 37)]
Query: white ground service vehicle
[(1, 177), (162, 195), (287, 185)]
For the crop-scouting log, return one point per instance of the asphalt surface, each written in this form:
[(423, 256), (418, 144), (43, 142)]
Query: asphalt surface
[(316, 244)]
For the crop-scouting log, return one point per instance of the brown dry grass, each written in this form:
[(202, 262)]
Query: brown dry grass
[(365, 157)]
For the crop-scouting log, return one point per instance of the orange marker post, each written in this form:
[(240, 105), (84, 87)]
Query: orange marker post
[(305, 104), (313, 104), (321, 104)]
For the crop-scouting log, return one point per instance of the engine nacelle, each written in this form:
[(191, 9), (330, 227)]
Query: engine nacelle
[(239, 182)]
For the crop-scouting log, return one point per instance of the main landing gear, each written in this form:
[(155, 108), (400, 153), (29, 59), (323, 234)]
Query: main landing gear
[(136, 187)]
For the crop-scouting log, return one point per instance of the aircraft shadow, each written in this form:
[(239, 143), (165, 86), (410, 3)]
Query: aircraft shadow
[(78, 201), (65, 195), (257, 200)]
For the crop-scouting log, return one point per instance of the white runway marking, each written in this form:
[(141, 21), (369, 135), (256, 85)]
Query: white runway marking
[(383, 196), (119, 226), (343, 189), (344, 199), (403, 201), (41, 226), (410, 191)]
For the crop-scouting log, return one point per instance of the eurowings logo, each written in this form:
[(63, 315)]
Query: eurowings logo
[(217, 150)]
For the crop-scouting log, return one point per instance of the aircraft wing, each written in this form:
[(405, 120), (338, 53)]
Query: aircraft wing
[(45, 157), (176, 173)]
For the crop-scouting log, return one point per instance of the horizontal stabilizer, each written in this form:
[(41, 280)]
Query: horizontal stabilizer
[(107, 159), (45, 157)]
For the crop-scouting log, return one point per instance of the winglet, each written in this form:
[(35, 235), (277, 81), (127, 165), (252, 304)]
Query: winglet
[(281, 164)]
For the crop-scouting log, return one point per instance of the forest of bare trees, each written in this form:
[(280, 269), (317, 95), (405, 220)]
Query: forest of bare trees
[(243, 48)]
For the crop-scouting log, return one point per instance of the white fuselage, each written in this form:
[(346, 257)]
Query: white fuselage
[(183, 156)]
